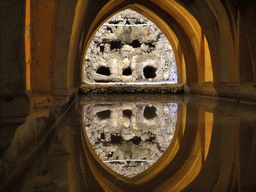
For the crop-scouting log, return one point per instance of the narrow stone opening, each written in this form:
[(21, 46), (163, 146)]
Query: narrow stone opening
[(113, 22), (150, 45), (149, 112), (139, 22), (102, 136), (127, 22), (127, 113), (136, 140), (102, 49), (102, 81), (149, 72), (135, 43), (127, 71), (104, 114), (115, 45), (103, 71), (116, 139), (109, 29)]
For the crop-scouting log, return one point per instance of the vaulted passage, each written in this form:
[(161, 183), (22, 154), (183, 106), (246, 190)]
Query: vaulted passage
[(129, 132)]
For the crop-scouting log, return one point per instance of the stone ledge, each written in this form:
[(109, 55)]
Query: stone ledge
[(239, 93), (132, 88)]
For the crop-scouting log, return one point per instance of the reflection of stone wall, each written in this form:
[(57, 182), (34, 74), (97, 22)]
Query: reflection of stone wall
[(127, 131), (129, 48)]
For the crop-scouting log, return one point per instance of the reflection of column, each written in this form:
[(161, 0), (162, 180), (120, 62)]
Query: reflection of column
[(251, 179), (201, 131), (228, 168), (247, 156), (68, 140)]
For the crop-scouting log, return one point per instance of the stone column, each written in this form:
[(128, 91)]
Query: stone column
[(250, 17), (14, 103)]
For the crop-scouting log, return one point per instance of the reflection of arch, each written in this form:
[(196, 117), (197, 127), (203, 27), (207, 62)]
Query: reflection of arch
[(178, 166)]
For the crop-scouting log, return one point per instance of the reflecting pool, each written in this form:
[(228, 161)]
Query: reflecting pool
[(137, 142)]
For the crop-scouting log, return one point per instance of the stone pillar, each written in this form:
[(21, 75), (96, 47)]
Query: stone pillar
[(250, 17), (14, 103), (201, 61)]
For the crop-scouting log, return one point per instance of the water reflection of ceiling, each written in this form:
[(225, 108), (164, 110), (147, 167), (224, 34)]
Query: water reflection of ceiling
[(130, 137)]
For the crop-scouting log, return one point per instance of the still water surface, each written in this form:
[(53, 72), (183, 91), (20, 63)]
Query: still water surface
[(129, 136), (146, 143)]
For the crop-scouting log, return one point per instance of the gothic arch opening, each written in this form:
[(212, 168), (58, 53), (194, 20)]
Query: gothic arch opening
[(133, 48)]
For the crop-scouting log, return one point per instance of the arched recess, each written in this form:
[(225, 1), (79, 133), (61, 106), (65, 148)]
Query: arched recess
[(110, 10), (153, 17), (187, 39), (221, 27), (229, 24)]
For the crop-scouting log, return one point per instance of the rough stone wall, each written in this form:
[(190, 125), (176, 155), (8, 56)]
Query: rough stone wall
[(129, 48), (130, 137)]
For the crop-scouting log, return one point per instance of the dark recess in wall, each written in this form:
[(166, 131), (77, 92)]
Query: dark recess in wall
[(103, 71), (149, 72), (150, 112), (127, 71)]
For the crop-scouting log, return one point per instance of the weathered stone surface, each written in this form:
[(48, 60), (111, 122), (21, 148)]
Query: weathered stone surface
[(130, 87), (126, 45)]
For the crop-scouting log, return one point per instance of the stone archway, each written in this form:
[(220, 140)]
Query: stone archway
[(132, 49)]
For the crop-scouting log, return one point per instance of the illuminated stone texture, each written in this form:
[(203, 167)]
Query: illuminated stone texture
[(131, 48)]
